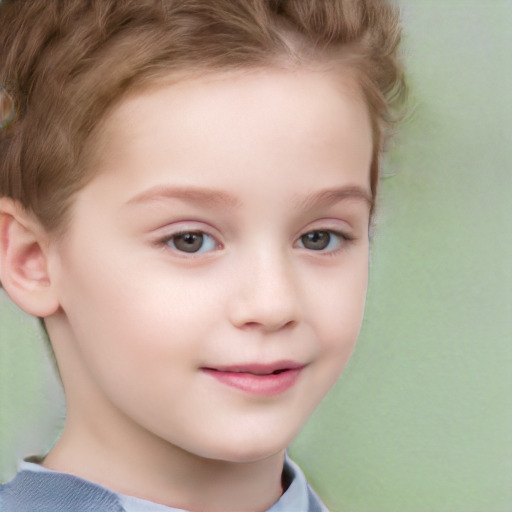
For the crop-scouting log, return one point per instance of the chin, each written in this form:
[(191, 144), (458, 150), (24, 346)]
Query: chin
[(247, 456), (247, 449)]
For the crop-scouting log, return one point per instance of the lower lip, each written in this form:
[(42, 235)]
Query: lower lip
[(260, 385)]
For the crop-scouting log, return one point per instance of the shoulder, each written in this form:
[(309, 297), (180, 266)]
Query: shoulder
[(55, 492)]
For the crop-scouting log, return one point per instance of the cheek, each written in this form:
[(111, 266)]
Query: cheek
[(340, 317), (340, 308), (132, 323), (340, 304)]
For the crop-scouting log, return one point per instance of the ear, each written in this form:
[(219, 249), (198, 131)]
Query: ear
[(23, 260)]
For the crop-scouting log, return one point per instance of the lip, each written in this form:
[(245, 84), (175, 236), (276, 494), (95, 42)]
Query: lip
[(258, 379)]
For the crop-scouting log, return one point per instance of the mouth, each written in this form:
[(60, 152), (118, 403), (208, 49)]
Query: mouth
[(258, 379)]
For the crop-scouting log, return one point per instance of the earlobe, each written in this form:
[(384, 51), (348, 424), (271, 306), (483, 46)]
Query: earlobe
[(23, 260)]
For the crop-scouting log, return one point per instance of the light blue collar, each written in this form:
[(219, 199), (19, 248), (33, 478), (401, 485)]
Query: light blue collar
[(295, 498)]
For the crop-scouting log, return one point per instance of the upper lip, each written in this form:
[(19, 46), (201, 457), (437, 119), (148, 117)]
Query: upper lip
[(258, 368)]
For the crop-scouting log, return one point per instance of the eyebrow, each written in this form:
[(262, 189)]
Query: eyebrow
[(334, 195), (193, 194), (212, 197)]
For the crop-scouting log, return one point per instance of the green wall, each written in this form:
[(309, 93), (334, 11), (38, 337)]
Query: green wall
[(421, 421)]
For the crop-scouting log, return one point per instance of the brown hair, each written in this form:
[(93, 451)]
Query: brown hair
[(67, 62)]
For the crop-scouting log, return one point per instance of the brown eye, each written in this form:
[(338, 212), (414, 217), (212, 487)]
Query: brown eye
[(188, 242), (192, 242), (316, 240)]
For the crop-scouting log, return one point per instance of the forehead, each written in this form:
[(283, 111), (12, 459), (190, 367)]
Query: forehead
[(220, 128), (206, 108)]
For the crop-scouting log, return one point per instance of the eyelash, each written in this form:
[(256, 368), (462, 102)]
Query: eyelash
[(340, 238)]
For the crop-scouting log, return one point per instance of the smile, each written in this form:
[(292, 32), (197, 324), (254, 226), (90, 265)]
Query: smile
[(257, 379)]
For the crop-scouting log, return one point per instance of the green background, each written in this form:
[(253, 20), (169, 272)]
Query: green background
[(421, 420)]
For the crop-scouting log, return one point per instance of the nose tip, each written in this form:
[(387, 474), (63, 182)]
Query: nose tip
[(269, 303)]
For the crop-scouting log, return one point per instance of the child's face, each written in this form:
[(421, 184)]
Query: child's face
[(213, 278)]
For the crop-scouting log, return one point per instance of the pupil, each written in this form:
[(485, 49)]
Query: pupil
[(316, 240), (189, 242)]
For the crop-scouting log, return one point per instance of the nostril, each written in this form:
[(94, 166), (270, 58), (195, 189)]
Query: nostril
[(268, 325), (251, 325), (288, 325)]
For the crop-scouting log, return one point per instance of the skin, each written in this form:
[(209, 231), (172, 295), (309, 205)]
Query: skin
[(252, 162)]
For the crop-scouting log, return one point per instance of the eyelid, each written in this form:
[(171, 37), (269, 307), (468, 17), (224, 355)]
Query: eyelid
[(333, 224)]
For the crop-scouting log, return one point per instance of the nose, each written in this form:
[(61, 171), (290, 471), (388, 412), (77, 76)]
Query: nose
[(266, 295)]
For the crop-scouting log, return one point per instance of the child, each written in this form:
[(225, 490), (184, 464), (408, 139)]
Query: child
[(186, 189)]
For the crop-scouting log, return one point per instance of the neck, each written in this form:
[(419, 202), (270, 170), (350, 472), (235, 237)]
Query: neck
[(163, 473)]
